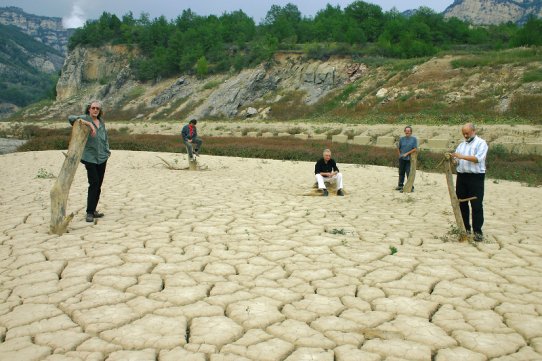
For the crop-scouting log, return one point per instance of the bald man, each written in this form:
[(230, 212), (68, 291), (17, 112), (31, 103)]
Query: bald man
[(326, 171), (470, 157)]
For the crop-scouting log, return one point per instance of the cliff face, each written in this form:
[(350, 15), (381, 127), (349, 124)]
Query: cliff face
[(486, 12), (48, 30), (87, 66), (105, 74), (289, 83)]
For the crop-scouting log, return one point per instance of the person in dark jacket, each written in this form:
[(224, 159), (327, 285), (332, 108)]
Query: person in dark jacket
[(191, 139), (95, 155), (326, 171)]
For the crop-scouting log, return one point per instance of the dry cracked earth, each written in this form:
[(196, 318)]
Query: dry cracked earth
[(237, 263)]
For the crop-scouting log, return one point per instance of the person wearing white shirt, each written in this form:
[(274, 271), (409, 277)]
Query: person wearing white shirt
[(470, 157)]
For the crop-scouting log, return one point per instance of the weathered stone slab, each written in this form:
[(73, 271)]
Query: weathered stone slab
[(339, 138), (388, 142), (361, 140), (533, 148), (437, 144)]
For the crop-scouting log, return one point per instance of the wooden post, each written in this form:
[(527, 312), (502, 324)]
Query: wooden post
[(448, 162), (193, 163), (412, 174), (61, 188)]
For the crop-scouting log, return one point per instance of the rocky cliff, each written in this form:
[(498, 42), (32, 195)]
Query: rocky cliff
[(28, 69), (48, 30), (106, 74), (488, 12), (291, 87)]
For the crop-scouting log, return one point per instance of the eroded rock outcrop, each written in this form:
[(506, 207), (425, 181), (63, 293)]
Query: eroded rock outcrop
[(486, 12)]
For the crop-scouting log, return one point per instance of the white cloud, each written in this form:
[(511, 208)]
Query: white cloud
[(76, 18)]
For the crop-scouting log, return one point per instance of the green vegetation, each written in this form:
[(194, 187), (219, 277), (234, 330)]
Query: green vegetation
[(338, 231), (393, 250), (22, 84), (500, 164), (518, 56), (532, 75), (211, 44), (44, 174)]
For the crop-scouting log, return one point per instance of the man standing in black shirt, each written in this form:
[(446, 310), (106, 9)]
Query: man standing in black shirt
[(326, 171)]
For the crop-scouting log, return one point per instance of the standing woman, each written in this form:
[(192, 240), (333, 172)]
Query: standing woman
[(95, 155)]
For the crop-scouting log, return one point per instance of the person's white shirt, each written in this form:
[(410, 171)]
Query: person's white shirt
[(476, 147)]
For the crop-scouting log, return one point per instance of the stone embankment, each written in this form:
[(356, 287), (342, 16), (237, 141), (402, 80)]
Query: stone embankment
[(522, 139)]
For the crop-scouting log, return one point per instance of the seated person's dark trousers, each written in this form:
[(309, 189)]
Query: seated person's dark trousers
[(195, 145), (95, 175), (471, 185)]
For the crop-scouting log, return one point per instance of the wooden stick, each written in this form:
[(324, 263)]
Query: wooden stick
[(412, 174), (61, 189), (453, 197), (170, 165), (193, 164)]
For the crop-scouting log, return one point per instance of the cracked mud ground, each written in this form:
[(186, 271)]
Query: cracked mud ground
[(235, 263)]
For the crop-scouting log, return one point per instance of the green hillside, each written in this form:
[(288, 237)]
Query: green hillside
[(28, 68)]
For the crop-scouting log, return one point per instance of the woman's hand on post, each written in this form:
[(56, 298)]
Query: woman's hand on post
[(92, 130)]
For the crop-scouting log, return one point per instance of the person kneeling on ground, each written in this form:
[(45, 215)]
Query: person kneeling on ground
[(326, 171), (190, 138)]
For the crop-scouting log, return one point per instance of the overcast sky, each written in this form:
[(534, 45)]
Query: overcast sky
[(75, 12)]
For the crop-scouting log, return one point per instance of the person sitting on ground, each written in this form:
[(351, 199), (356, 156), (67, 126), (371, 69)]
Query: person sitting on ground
[(190, 138), (326, 171)]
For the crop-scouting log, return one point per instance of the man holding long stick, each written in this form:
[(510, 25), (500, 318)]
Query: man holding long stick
[(470, 157)]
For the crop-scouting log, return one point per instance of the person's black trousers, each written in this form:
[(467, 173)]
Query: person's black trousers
[(95, 175), (404, 167), (471, 185)]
